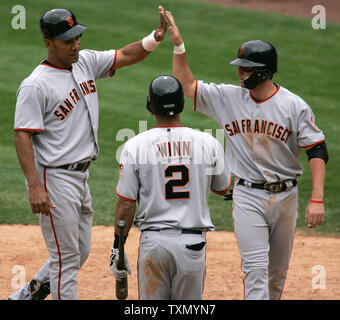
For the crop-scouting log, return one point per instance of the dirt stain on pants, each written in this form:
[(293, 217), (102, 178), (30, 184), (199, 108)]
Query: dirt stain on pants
[(153, 273)]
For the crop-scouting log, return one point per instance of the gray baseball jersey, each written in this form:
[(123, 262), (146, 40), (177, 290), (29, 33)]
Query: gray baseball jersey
[(263, 138), (60, 106), (263, 144), (170, 171)]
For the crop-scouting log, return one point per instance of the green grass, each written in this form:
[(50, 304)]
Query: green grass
[(308, 66)]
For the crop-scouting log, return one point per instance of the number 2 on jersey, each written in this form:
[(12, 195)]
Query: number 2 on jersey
[(170, 194)]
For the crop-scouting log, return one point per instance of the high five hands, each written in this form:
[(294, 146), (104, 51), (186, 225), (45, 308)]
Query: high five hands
[(165, 18), (175, 35), (163, 24)]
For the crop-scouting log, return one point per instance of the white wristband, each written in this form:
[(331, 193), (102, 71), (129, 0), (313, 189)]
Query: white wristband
[(149, 42), (179, 49)]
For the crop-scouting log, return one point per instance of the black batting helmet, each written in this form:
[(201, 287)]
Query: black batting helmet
[(257, 53), (61, 24), (166, 96)]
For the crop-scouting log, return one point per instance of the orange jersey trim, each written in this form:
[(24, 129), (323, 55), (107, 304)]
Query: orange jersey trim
[(56, 240), (223, 192), (28, 129), (55, 67), (259, 102), (195, 96), (314, 144), (112, 70), (124, 198), (170, 127)]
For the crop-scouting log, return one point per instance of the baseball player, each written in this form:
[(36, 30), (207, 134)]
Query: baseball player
[(265, 125), (56, 124), (169, 170)]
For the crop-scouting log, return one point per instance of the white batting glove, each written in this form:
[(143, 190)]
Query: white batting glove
[(118, 274)]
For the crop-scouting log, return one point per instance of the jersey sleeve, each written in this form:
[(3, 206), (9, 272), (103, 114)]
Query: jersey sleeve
[(29, 110), (128, 183), (221, 173), (208, 99), (308, 133), (102, 62)]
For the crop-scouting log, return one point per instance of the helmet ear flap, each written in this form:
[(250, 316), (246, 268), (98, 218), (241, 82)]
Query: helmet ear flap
[(257, 77), (148, 104)]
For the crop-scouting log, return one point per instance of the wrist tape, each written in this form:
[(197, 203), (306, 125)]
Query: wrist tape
[(149, 42), (179, 49)]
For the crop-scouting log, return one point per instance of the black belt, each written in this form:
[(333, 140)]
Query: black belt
[(83, 166), (274, 187), (183, 231)]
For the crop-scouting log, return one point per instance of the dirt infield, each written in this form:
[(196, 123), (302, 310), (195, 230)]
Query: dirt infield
[(314, 271), (311, 259), (298, 8)]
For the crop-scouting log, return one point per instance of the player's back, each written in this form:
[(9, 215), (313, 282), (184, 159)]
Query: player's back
[(175, 168)]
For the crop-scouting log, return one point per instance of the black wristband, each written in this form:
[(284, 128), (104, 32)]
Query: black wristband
[(116, 242), (318, 151)]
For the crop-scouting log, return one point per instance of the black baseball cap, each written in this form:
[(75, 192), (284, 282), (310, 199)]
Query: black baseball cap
[(61, 24)]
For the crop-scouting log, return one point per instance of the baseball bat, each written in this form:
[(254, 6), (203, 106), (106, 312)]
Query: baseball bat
[(122, 284)]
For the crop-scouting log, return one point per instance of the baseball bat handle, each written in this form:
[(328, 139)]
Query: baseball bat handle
[(122, 284), (121, 263)]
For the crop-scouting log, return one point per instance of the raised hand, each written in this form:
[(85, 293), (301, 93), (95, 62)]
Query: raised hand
[(175, 35), (161, 30)]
